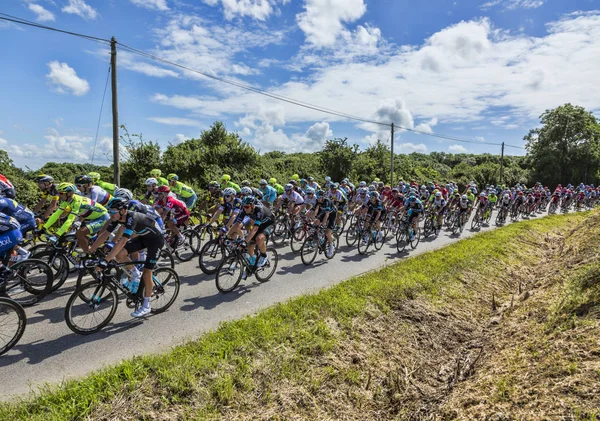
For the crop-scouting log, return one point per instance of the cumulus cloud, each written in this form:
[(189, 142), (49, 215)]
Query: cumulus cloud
[(406, 148), (152, 4), (43, 15), (457, 149), (64, 79), (322, 21), (180, 138), (256, 9), (80, 8), (428, 126), (3, 142)]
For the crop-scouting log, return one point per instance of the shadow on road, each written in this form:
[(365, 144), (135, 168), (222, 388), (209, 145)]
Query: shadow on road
[(211, 301)]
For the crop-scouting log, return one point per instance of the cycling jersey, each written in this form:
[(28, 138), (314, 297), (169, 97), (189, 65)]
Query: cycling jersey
[(313, 185), (324, 206), (234, 206), (176, 208), (50, 194), (374, 208), (257, 193), (293, 196), (182, 190), (337, 196), (137, 206), (439, 204), (278, 188), (98, 195), (10, 234), (232, 185), (269, 194), (79, 206), (361, 198), (311, 201), (109, 187), (162, 181), (6, 187), (21, 213)]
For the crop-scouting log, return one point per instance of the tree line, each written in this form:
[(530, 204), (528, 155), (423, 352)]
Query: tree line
[(564, 149)]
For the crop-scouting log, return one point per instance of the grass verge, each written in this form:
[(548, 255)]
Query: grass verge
[(395, 343)]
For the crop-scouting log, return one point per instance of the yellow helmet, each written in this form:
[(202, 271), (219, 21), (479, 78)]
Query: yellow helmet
[(226, 177), (66, 187), (155, 172), (94, 176), (171, 177), (295, 177), (272, 180)]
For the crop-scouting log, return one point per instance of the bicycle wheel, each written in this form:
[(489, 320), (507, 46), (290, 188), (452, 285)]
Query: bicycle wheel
[(309, 250), (12, 323), (401, 240), (415, 241), (206, 234), (427, 228), (265, 273), (379, 240), (336, 244), (476, 222), (88, 315), (364, 241), (297, 240), (59, 265), (280, 232), (165, 289), (211, 256), (190, 247), (29, 281), (351, 235), (229, 274), (165, 259)]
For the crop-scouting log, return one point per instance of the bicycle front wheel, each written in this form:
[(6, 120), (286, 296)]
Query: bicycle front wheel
[(190, 246), (211, 256), (12, 323), (165, 289), (91, 307), (265, 273), (59, 265), (30, 281), (229, 274), (309, 249)]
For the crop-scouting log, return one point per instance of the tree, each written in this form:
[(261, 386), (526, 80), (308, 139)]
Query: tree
[(566, 149), (337, 158), (143, 157)]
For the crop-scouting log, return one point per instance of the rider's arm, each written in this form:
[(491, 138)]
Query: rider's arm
[(52, 220)]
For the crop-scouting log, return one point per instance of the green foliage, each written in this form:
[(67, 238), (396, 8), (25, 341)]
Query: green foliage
[(143, 157), (67, 171), (337, 157), (26, 189), (566, 149)]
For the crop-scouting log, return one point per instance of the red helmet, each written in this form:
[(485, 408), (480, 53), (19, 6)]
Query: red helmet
[(164, 189)]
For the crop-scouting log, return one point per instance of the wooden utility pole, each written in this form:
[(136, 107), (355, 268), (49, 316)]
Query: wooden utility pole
[(502, 164), (115, 109), (392, 166)]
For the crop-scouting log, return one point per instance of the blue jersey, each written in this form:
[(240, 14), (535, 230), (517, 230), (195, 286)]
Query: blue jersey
[(269, 194), (12, 208)]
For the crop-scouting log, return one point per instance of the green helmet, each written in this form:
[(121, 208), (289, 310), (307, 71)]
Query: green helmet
[(94, 176), (172, 177), (155, 172), (66, 187)]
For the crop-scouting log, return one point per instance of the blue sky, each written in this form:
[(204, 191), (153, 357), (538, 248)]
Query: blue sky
[(470, 69)]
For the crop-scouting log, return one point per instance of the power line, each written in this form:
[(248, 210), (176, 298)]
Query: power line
[(248, 87), (100, 115), (15, 19)]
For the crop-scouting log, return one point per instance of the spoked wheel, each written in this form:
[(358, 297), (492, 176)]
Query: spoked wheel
[(401, 240), (364, 241), (211, 256), (309, 250), (279, 232), (59, 265), (265, 273), (297, 240), (91, 307), (190, 247), (165, 289), (476, 222), (427, 228), (336, 244), (351, 234), (379, 240), (416, 238), (30, 281), (165, 259), (12, 323), (229, 274), (206, 234)]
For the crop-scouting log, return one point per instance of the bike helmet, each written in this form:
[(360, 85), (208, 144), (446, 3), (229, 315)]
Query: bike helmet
[(43, 178), (335, 185), (362, 184), (374, 194), (310, 190), (327, 179), (164, 189), (172, 177), (83, 179), (288, 187), (95, 176), (214, 185), (464, 198), (309, 178), (249, 200), (272, 180), (123, 193), (151, 181), (226, 177), (362, 190), (412, 199), (66, 187), (246, 190), (482, 194), (293, 183), (302, 181), (229, 191), (438, 194), (263, 182), (155, 173), (117, 203), (395, 190), (319, 193), (371, 188), (246, 183), (506, 196)]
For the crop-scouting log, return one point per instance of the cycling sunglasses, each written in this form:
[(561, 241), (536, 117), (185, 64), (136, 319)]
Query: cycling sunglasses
[(247, 206)]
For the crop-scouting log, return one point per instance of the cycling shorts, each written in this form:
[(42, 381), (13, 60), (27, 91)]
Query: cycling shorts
[(9, 240), (264, 224), (331, 219), (179, 219), (152, 243), (95, 225)]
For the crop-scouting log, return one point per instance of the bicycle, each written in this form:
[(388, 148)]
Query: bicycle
[(190, 247), (231, 269), (97, 301), (403, 238), (502, 215), (28, 281), (12, 323), (370, 236), (316, 242), (431, 225)]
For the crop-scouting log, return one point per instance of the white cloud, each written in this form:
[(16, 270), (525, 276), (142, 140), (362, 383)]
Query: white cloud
[(395, 111), (427, 127), (80, 8), (406, 148), (136, 64), (480, 138), (180, 138), (64, 78), (322, 21), (43, 15), (319, 132), (513, 4), (175, 121), (256, 9), (457, 149), (152, 4), (3, 142)]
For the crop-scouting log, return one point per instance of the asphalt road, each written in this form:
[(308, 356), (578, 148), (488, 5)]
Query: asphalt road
[(49, 352)]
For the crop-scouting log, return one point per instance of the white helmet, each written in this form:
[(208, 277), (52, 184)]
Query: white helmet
[(151, 181), (246, 190), (229, 191), (123, 193), (506, 196)]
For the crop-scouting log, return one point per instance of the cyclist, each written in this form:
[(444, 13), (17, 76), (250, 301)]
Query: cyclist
[(10, 237), (184, 193), (260, 218), (92, 214), (137, 206), (296, 202), (438, 205), (339, 199), (160, 181), (464, 206), (278, 187), (174, 212), (109, 187), (228, 183), (96, 193), (230, 208), (24, 217), (269, 193), (148, 236), (310, 182), (415, 209), (255, 192), (375, 210), (325, 211), (48, 188), (6, 188)]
